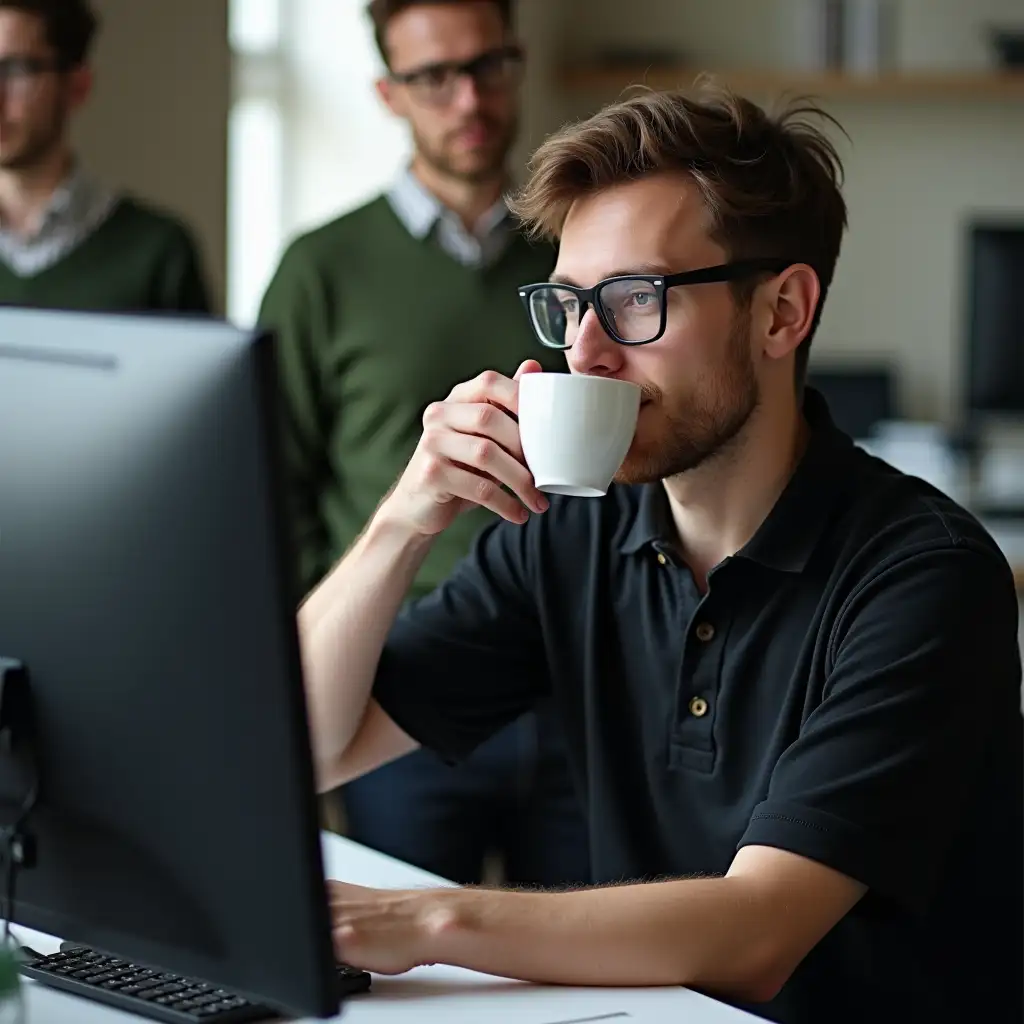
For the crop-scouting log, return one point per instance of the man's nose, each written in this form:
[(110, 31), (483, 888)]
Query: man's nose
[(466, 95), (593, 351)]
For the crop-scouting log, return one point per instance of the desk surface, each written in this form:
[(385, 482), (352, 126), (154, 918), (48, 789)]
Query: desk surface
[(443, 994)]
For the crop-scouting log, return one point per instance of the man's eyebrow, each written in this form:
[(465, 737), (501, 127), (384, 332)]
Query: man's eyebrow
[(642, 269)]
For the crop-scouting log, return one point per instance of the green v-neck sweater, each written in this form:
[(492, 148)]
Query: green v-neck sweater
[(372, 326), (137, 260)]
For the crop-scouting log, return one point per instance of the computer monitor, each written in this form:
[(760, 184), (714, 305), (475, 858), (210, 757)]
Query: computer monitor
[(143, 586), (995, 319), (859, 397)]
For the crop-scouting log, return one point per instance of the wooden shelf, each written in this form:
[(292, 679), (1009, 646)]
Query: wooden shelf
[(1004, 85)]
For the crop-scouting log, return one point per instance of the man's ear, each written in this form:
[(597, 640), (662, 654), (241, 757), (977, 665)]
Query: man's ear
[(80, 85), (793, 298), (390, 96)]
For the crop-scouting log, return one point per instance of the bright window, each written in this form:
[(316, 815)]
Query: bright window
[(256, 146), (309, 139), (255, 26), (255, 156)]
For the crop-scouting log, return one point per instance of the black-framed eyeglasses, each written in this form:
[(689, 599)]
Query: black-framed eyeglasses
[(632, 309), (492, 71), (20, 72)]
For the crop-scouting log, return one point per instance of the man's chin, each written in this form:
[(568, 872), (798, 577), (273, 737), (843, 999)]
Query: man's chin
[(478, 168), (638, 467), (10, 158), (21, 156)]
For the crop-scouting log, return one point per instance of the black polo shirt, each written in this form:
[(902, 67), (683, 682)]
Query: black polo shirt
[(848, 689)]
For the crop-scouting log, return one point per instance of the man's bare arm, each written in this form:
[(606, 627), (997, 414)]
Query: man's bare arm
[(342, 628), (468, 454), (740, 936)]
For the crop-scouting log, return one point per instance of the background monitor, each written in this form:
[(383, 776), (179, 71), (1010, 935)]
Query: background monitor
[(994, 354), (859, 397), (143, 582)]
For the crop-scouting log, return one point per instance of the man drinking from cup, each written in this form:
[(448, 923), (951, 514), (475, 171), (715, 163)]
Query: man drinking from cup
[(789, 674)]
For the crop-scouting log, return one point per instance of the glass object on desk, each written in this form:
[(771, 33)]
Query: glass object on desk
[(12, 1001)]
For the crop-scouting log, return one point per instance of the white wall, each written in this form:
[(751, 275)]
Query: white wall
[(157, 122), (915, 171)]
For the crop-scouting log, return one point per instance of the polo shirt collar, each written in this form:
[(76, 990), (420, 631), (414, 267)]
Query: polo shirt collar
[(652, 525), (788, 536)]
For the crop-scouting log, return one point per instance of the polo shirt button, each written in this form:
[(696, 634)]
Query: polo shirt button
[(705, 632), (662, 560), (698, 707)]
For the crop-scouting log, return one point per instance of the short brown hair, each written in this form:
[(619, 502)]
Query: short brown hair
[(383, 11), (771, 184), (70, 26)]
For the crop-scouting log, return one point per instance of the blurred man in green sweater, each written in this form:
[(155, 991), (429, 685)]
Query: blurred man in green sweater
[(66, 240), (378, 314)]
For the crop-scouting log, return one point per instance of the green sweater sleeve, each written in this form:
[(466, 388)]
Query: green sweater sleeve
[(181, 286), (295, 310)]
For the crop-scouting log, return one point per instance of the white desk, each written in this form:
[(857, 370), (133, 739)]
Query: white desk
[(430, 994)]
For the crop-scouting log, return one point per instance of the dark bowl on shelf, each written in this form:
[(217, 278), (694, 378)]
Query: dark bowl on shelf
[(1009, 45)]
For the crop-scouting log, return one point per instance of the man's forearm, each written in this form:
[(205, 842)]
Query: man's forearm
[(342, 628), (709, 933)]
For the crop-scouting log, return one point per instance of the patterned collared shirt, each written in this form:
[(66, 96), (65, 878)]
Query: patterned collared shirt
[(76, 209), (421, 211)]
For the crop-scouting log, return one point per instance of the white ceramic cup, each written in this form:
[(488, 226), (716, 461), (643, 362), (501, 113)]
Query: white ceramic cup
[(576, 430)]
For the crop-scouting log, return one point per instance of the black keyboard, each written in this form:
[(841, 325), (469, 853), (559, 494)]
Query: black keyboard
[(156, 994)]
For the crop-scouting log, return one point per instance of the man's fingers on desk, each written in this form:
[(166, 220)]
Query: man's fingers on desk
[(379, 930), (342, 892)]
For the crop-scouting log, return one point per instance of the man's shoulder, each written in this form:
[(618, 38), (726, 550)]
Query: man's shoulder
[(147, 218), (893, 516)]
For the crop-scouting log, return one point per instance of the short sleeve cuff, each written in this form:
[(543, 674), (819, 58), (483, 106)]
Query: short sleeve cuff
[(422, 723), (838, 844)]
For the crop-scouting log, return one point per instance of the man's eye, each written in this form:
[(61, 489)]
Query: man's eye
[(433, 78), (486, 66), (16, 67)]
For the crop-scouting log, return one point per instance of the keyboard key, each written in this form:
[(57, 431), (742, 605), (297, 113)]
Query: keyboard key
[(132, 986)]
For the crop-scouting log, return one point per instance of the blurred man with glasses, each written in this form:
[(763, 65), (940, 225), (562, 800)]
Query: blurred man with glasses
[(378, 314), (66, 239)]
